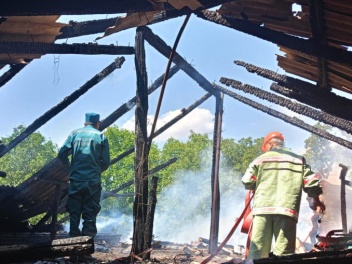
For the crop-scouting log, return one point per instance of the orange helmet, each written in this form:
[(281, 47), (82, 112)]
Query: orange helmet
[(270, 136)]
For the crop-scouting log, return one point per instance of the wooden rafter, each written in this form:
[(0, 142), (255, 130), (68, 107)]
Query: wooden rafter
[(77, 7)]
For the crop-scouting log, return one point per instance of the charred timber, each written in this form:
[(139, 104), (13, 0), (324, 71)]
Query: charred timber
[(61, 106), (279, 38), (320, 116), (76, 29), (325, 104), (152, 200), (14, 69), (292, 120), (57, 248), (150, 172), (317, 25), (166, 50), (302, 91), (141, 149), (215, 187), (48, 48), (75, 7)]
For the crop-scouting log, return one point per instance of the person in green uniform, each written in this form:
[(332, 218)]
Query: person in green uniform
[(89, 149), (277, 178)]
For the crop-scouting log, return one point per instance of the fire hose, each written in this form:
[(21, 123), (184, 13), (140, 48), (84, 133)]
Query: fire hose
[(246, 212)]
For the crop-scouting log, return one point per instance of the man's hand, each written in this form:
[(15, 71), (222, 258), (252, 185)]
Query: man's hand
[(319, 204)]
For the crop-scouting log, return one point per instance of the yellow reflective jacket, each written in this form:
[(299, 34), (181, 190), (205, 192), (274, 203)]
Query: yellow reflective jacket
[(278, 177)]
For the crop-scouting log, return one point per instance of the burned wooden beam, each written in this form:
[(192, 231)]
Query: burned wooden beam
[(304, 92), (8, 47), (318, 37), (330, 106), (150, 172), (320, 116), (62, 105), (152, 200), (165, 50), (279, 38), (215, 185), (14, 69), (75, 7), (141, 149), (292, 120), (76, 29), (37, 251)]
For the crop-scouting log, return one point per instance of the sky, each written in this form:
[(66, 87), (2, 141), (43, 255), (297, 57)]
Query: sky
[(210, 48)]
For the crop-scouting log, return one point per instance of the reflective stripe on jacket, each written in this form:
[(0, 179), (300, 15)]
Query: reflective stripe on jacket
[(278, 177), (90, 154)]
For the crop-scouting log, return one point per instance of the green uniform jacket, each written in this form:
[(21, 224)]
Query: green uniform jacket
[(278, 177), (90, 154)]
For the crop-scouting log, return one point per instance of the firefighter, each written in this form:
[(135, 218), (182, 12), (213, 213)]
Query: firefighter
[(277, 178), (90, 157)]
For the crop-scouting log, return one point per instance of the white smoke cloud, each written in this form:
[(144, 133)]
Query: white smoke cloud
[(199, 120)]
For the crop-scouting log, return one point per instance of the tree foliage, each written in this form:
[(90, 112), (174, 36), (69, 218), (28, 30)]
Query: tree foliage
[(27, 157)]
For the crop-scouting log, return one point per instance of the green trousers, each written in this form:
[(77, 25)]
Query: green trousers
[(264, 228), (83, 201)]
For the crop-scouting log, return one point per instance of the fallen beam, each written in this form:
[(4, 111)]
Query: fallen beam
[(292, 120), (49, 48), (320, 116), (56, 248), (304, 92)]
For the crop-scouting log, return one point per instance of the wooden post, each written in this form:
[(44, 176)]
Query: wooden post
[(54, 209), (215, 209), (141, 149), (150, 214), (343, 197)]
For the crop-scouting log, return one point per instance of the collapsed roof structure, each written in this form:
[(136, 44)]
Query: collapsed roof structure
[(315, 42)]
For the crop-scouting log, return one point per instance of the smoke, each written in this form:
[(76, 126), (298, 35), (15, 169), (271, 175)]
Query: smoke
[(183, 210)]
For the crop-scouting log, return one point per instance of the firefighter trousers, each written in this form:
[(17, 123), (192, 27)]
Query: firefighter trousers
[(264, 228)]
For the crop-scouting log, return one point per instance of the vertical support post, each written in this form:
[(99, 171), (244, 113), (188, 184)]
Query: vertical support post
[(215, 209), (343, 197), (55, 208), (141, 148), (150, 214)]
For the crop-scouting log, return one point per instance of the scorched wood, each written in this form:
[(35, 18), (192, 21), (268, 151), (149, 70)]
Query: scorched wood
[(56, 248)]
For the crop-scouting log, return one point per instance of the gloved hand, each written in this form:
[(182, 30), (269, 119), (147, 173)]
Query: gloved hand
[(319, 204)]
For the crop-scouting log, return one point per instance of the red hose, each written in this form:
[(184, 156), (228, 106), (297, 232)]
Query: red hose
[(229, 235)]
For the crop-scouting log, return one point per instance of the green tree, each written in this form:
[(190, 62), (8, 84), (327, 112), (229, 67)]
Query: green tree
[(238, 155), (27, 157), (319, 152)]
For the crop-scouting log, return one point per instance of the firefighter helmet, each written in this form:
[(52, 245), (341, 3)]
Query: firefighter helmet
[(270, 136)]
